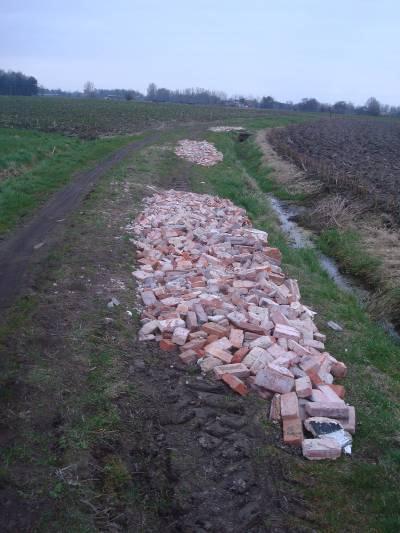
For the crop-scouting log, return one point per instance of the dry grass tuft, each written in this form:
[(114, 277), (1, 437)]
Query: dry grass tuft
[(335, 211)]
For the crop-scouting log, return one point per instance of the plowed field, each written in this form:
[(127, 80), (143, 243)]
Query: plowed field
[(353, 154)]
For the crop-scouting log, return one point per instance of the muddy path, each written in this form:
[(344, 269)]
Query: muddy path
[(21, 249), (105, 433)]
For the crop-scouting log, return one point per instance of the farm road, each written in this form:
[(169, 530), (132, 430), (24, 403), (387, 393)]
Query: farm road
[(22, 250)]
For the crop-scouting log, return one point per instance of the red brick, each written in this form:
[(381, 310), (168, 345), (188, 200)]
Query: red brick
[(189, 357), (221, 354), (239, 370), (236, 337), (303, 387), (289, 406), (191, 320), (339, 370), (240, 354), (349, 423), (315, 379), (192, 345), (276, 379), (339, 390), (235, 384), (328, 409), (167, 346), (275, 410), (292, 431), (287, 332), (214, 329)]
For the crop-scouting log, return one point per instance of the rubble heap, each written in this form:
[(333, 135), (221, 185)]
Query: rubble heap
[(224, 129), (199, 152), (213, 288)]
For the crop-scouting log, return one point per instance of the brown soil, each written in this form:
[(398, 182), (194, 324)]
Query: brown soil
[(184, 454)]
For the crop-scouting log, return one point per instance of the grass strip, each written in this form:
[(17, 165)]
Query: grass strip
[(36, 164), (358, 493)]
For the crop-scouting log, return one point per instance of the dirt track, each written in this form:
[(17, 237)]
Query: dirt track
[(199, 458), (20, 251)]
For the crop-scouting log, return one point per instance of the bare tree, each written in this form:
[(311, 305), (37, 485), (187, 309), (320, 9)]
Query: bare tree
[(89, 89), (373, 106)]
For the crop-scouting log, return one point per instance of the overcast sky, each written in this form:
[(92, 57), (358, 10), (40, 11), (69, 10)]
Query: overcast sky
[(328, 49)]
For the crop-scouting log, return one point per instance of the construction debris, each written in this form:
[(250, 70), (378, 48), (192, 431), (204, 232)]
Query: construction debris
[(226, 129), (213, 289), (199, 152)]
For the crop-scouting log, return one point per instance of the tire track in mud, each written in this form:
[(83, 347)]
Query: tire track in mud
[(20, 251), (203, 448)]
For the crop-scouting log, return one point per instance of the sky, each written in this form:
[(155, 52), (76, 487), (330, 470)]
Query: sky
[(328, 49)]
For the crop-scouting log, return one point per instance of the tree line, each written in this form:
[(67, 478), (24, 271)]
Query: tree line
[(17, 84)]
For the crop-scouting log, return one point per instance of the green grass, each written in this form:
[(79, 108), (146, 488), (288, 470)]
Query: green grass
[(352, 494), (250, 156), (346, 247), (39, 163)]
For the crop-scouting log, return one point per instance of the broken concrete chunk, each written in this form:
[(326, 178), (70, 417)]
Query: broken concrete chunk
[(323, 448)]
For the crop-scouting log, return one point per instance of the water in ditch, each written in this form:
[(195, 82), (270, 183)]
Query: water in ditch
[(300, 237)]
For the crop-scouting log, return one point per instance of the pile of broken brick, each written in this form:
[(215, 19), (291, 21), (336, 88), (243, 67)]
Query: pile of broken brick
[(199, 152), (225, 129), (213, 289)]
